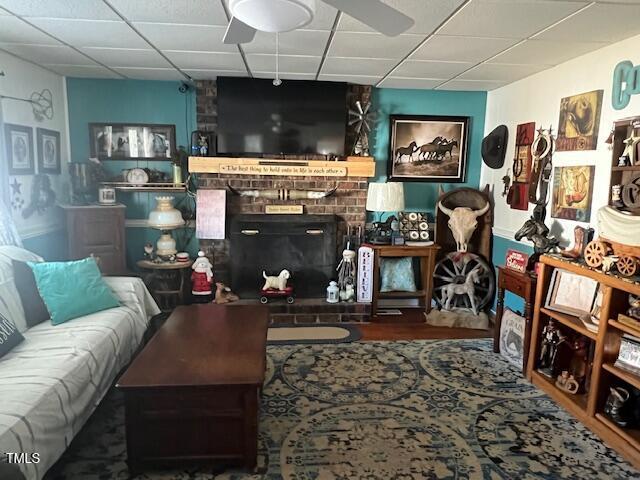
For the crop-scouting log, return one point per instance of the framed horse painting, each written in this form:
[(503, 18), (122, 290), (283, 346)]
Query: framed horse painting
[(126, 141), (428, 148)]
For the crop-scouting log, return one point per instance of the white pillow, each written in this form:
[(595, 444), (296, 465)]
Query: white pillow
[(8, 291)]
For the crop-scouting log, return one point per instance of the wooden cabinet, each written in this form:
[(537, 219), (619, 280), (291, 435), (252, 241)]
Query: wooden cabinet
[(99, 231), (522, 285), (427, 259), (588, 406)]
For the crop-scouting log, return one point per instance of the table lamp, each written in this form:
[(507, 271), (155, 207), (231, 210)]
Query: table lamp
[(165, 217), (384, 197)]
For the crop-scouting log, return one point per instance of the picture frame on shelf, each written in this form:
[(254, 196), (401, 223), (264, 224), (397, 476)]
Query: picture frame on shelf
[(428, 148), (571, 293), (19, 149), (48, 142), (131, 141)]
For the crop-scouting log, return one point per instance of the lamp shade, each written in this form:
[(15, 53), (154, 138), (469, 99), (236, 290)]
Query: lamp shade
[(385, 197), (165, 216)]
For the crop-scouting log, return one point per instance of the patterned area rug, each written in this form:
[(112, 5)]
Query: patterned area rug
[(447, 409)]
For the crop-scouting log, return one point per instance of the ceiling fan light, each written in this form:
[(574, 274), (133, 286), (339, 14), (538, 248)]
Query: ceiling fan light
[(273, 15)]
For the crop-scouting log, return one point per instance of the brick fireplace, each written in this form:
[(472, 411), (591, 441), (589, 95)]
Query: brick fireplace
[(347, 204)]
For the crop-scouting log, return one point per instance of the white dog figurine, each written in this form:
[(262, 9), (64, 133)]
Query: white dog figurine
[(278, 283)]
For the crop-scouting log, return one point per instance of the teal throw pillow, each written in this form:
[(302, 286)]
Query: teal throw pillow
[(396, 274), (72, 289)]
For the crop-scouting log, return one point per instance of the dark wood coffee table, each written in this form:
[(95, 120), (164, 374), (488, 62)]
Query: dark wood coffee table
[(192, 394)]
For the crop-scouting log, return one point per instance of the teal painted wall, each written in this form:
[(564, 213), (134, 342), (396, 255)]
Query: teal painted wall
[(500, 247), (136, 101), (51, 246), (422, 196)]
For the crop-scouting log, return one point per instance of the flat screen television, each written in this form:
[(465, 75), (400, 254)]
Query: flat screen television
[(296, 118)]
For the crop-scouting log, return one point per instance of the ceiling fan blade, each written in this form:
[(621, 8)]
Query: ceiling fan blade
[(377, 15), (238, 32)]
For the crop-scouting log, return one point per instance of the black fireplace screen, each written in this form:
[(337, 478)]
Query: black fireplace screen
[(303, 244)]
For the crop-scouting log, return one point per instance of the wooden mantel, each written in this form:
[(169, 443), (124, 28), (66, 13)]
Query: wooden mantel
[(351, 167)]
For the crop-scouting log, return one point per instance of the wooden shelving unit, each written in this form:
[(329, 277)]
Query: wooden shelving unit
[(620, 175), (147, 187), (588, 407)]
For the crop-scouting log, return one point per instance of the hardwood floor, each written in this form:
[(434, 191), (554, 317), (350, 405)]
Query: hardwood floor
[(410, 326), (422, 331)]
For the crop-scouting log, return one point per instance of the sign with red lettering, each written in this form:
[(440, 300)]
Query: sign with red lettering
[(516, 260)]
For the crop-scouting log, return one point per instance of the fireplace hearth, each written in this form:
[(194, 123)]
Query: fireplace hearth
[(303, 244)]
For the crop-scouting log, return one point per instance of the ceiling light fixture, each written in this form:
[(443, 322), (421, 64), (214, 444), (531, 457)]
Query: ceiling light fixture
[(274, 15)]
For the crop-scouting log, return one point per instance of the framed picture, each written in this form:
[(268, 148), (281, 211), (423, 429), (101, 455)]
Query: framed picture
[(572, 192), (120, 141), (48, 142), (19, 144), (428, 148), (571, 294), (579, 121)]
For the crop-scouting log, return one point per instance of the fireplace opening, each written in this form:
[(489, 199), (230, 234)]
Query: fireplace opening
[(303, 244)]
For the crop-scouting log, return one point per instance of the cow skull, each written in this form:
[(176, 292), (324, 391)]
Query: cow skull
[(462, 222)]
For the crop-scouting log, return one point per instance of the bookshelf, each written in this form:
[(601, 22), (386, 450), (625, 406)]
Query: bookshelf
[(588, 406)]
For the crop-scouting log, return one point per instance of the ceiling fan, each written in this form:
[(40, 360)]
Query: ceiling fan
[(273, 16)]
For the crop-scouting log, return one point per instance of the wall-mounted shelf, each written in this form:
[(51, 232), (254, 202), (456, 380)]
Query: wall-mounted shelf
[(147, 187), (352, 167)]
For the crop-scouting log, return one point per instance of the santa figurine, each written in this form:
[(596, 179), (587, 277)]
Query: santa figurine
[(202, 279)]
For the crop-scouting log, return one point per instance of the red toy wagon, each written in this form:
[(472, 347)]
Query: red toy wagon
[(270, 293)]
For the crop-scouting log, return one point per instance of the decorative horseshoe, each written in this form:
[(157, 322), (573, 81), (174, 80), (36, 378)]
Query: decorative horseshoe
[(547, 149), (631, 193)]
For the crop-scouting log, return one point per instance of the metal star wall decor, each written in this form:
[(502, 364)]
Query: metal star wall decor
[(16, 187), (362, 120)]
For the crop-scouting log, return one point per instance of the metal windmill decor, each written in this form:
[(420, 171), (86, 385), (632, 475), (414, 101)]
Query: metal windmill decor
[(362, 119)]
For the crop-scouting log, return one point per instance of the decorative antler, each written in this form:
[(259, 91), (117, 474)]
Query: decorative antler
[(284, 193)]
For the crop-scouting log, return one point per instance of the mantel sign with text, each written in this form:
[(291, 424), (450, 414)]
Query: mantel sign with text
[(292, 170)]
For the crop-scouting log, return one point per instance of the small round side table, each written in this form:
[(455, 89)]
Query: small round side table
[(164, 278)]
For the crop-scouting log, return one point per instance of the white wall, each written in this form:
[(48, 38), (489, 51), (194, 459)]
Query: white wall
[(537, 99), (21, 79)]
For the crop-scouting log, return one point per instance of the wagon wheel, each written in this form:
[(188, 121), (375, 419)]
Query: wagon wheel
[(594, 252), (454, 268), (627, 265)]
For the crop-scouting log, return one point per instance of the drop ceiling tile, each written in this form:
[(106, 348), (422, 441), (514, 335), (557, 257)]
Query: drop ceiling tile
[(3, 12), (287, 63), (372, 45), (324, 17), (508, 18), (47, 54), (427, 69), (83, 71), (168, 36), (472, 85), (14, 30), (286, 76), (206, 60), (400, 82), (91, 33), (151, 73), (86, 9), (204, 74), (201, 12), (427, 14), (503, 72), (357, 66), (356, 79), (127, 57), (547, 52), (297, 42), (461, 49), (598, 23)]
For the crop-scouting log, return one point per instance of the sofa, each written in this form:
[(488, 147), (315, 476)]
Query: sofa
[(52, 382)]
